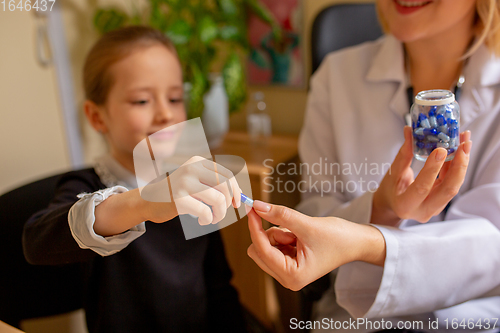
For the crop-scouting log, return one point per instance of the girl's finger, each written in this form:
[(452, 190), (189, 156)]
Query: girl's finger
[(215, 199), (225, 175), (210, 177), (236, 192), (215, 167), (226, 191), (216, 181), (189, 205), (227, 186)]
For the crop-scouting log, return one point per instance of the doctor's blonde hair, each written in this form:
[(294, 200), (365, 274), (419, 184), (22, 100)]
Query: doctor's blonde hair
[(487, 26)]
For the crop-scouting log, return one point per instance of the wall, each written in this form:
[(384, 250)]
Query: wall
[(32, 137), (32, 141)]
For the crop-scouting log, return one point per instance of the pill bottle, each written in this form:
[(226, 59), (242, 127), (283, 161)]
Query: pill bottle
[(435, 119)]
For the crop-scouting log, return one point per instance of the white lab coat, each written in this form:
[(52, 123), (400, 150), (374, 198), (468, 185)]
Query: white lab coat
[(355, 117)]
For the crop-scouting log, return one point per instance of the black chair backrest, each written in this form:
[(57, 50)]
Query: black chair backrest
[(340, 26), (28, 291)]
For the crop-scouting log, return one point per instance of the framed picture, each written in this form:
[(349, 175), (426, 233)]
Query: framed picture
[(277, 63)]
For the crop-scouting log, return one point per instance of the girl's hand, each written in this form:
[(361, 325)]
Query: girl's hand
[(309, 247), (400, 196), (199, 187)]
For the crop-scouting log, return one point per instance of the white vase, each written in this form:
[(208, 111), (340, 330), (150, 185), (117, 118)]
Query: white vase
[(215, 118)]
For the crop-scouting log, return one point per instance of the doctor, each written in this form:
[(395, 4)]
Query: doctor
[(390, 263)]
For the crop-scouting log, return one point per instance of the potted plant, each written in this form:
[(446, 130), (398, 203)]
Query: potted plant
[(203, 31)]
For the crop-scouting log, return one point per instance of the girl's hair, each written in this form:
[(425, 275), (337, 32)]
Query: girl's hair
[(110, 49), (487, 26)]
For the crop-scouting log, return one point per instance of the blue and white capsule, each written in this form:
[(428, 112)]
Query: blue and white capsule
[(246, 200)]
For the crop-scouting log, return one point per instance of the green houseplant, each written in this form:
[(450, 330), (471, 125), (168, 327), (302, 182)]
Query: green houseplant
[(203, 32)]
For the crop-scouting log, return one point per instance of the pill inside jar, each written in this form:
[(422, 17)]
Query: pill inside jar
[(435, 119)]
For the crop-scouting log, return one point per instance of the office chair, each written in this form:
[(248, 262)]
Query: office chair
[(28, 291), (340, 26)]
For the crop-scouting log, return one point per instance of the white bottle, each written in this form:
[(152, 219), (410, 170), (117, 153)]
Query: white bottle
[(258, 120)]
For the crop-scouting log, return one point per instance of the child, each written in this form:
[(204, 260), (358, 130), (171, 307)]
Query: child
[(154, 281)]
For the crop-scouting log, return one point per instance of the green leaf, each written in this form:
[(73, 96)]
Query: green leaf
[(234, 82), (157, 17), (229, 32), (228, 7), (172, 3), (106, 20), (179, 32), (259, 59), (263, 13), (208, 30), (136, 20)]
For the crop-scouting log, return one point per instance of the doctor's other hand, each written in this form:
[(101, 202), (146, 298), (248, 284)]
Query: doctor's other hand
[(305, 248), (401, 196)]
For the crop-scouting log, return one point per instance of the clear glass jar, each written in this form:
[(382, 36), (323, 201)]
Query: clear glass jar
[(435, 119), (258, 119)]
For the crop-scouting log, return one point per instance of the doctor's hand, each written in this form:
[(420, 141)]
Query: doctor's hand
[(401, 196), (305, 248)]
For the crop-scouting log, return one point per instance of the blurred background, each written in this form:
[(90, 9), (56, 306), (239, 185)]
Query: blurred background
[(42, 131), (33, 132)]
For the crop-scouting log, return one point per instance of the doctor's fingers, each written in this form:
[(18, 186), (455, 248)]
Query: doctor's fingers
[(279, 236), (298, 223), (291, 280), (450, 185), (261, 246), (415, 194), (465, 136), (284, 268), (253, 254), (443, 172)]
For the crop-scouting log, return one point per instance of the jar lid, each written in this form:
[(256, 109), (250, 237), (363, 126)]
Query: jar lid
[(434, 97)]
